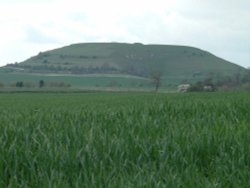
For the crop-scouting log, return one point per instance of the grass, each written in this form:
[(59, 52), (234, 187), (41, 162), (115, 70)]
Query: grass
[(95, 81), (125, 140), (80, 81)]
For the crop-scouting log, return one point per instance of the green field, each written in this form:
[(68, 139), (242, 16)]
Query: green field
[(125, 140), (94, 81), (80, 81)]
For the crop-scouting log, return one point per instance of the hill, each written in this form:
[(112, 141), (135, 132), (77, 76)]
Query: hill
[(176, 63)]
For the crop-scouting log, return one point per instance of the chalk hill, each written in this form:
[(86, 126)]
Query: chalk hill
[(131, 59)]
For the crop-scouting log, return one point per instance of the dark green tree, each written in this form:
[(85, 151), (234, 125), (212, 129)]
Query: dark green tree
[(41, 83), (19, 84), (156, 77)]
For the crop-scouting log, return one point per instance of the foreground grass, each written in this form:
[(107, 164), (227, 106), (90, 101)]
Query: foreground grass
[(125, 140)]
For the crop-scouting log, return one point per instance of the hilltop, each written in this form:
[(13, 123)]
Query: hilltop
[(176, 63)]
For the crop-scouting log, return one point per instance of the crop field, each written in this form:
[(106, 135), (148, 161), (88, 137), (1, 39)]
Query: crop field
[(125, 140)]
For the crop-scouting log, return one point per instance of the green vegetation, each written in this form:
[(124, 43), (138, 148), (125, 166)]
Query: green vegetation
[(125, 140), (79, 81), (176, 62)]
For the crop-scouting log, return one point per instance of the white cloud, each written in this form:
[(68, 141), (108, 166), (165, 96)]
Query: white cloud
[(27, 26)]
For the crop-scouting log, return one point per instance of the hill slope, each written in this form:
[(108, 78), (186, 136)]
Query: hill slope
[(119, 65), (133, 59)]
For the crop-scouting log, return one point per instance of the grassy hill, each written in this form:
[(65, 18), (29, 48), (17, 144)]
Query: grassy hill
[(176, 63)]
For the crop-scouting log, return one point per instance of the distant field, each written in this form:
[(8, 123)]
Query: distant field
[(81, 81), (97, 81), (125, 140)]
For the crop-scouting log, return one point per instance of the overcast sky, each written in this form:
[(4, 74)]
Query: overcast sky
[(219, 26)]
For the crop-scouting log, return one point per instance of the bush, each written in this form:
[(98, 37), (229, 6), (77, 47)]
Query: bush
[(19, 84), (196, 87)]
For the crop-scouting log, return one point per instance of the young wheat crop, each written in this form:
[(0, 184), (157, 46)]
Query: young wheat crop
[(125, 140)]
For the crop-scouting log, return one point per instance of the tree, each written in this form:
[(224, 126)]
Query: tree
[(19, 84), (41, 83), (156, 76), (197, 87), (206, 85)]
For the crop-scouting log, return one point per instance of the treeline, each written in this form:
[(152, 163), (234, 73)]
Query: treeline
[(234, 81), (40, 84), (237, 81), (206, 85)]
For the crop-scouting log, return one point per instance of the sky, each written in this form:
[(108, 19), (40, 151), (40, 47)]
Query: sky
[(221, 27)]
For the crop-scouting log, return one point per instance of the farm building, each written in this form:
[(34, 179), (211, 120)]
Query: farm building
[(183, 87)]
